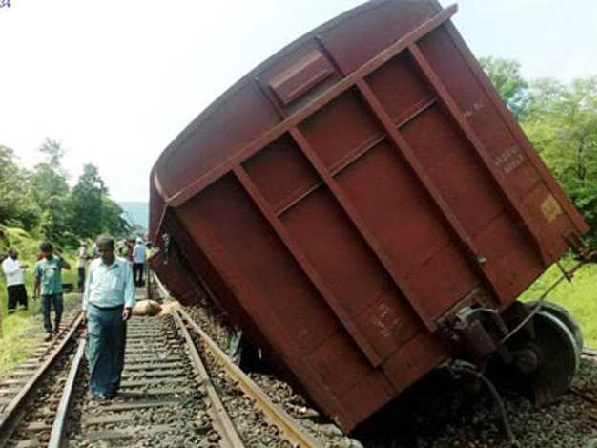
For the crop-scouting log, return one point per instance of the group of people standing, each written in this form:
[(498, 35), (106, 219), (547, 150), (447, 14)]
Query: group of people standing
[(108, 300), (47, 284)]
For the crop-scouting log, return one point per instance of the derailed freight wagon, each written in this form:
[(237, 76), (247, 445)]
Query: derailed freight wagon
[(365, 207)]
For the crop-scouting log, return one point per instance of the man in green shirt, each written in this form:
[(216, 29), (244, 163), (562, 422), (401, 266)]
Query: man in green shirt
[(48, 276)]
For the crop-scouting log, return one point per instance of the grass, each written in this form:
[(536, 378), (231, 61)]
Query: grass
[(23, 330), (578, 296)]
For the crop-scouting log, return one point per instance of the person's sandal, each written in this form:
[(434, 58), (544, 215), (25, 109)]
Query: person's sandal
[(48, 337)]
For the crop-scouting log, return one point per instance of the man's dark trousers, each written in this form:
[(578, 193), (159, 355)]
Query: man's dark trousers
[(138, 274), (16, 294), (49, 302), (81, 279), (106, 337)]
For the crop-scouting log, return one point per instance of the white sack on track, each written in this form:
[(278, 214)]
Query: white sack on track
[(147, 308)]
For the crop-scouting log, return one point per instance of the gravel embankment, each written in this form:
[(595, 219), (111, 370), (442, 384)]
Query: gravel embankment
[(439, 414), (436, 415)]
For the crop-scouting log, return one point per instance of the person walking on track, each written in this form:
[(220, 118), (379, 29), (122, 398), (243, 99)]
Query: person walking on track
[(15, 280), (139, 262), (48, 278), (82, 257), (108, 302)]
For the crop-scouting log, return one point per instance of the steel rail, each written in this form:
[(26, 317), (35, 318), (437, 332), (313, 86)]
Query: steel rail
[(7, 419), (63, 406), (274, 413), (220, 418)]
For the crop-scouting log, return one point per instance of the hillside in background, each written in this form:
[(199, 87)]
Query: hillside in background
[(136, 213)]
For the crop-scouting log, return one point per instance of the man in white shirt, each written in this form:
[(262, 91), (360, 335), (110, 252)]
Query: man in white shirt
[(15, 280), (139, 262), (108, 302)]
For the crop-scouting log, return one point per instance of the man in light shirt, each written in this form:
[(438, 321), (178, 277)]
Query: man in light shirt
[(15, 280), (139, 262), (108, 302)]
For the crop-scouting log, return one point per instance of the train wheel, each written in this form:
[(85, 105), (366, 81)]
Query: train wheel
[(565, 316), (553, 356)]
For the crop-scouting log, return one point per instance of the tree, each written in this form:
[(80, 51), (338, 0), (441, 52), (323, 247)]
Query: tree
[(92, 211), (50, 191), (49, 177), (86, 204), (42, 200), (512, 87), (17, 207)]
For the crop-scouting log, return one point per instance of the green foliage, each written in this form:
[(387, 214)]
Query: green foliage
[(113, 222), (92, 212), (50, 190), (579, 296), (41, 200), (505, 76), (17, 206), (26, 242), (86, 204), (49, 178)]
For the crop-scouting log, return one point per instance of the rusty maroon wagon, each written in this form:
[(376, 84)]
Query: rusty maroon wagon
[(365, 207)]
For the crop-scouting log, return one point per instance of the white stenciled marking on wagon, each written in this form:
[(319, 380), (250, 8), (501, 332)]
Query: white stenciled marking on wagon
[(386, 321), (476, 107), (510, 159)]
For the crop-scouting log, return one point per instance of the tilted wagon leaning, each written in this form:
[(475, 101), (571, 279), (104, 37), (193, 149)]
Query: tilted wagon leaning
[(365, 207)]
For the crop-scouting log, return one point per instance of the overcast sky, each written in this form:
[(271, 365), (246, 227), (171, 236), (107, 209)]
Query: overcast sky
[(116, 81)]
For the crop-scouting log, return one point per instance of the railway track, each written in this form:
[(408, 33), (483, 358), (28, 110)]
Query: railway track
[(160, 402), (169, 396), (22, 423), (262, 419)]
